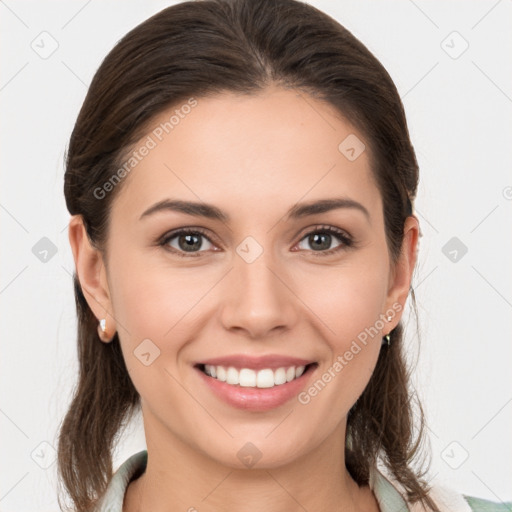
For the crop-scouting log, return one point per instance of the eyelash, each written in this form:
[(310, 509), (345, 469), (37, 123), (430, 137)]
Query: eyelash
[(347, 241)]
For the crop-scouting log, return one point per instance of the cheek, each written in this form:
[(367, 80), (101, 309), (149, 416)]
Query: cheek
[(156, 309), (349, 303), (348, 300), (160, 309), (153, 301)]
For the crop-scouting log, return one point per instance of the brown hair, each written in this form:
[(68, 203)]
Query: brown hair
[(199, 49)]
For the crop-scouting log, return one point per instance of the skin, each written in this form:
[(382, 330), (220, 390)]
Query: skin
[(254, 157)]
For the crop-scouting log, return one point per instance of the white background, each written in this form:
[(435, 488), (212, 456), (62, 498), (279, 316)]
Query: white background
[(459, 113)]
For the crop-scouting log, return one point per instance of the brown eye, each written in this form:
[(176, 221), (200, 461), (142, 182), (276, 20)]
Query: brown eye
[(320, 240), (186, 241)]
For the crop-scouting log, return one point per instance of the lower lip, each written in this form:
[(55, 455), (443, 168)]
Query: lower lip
[(256, 399)]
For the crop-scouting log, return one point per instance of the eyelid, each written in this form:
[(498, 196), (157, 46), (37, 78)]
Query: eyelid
[(325, 227), (188, 230)]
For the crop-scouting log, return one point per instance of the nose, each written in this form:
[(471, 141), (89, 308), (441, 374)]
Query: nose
[(258, 297)]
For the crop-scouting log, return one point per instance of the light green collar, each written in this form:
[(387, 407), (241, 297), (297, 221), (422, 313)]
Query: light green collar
[(389, 499)]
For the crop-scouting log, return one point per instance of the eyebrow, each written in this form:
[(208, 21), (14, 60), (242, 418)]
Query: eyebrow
[(297, 211)]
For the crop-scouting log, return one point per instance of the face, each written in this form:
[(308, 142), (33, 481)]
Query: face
[(256, 281)]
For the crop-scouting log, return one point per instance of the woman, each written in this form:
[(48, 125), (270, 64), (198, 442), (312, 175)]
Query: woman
[(241, 182)]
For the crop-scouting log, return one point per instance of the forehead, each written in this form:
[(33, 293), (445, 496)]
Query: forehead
[(257, 152)]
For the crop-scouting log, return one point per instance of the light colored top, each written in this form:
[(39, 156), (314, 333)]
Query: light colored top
[(390, 496)]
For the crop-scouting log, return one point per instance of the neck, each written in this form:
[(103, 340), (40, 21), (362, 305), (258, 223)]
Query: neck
[(178, 477)]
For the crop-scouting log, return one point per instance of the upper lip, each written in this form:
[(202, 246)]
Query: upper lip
[(256, 363)]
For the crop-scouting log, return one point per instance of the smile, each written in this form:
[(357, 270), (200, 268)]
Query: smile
[(249, 378), (255, 389)]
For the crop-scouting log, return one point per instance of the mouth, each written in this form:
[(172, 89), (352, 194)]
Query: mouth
[(263, 378)]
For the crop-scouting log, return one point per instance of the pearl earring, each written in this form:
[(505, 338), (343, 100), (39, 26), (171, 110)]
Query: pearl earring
[(102, 331)]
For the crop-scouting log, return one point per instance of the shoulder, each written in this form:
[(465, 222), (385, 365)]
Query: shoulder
[(113, 497), (450, 500), (391, 497), (481, 505)]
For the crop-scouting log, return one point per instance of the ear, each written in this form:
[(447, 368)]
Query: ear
[(91, 273), (400, 278)]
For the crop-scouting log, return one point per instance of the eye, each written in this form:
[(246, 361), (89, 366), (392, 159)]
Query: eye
[(186, 242), (321, 238), (190, 242)]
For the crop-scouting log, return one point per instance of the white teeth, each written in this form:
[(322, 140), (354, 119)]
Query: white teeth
[(221, 373), (279, 376), (232, 376), (249, 378), (265, 379)]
